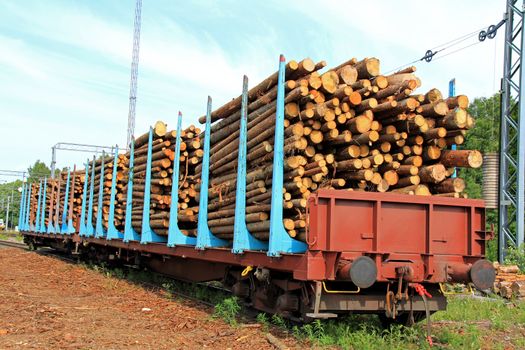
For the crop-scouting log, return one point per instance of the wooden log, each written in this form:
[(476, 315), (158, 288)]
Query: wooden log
[(434, 109), (368, 68), (432, 173), (456, 184), (461, 158), (159, 130), (460, 101), (254, 92)]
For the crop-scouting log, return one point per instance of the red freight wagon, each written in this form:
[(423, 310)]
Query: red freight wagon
[(367, 253)]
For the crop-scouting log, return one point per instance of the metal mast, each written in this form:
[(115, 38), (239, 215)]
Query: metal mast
[(76, 147), (512, 141), (134, 73)]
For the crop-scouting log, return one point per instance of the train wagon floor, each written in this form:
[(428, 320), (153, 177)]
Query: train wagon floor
[(50, 303)]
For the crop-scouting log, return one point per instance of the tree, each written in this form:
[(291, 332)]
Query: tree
[(10, 190), (485, 138), (38, 171)]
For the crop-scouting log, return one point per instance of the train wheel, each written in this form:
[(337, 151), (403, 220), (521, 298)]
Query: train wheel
[(31, 245), (404, 319)]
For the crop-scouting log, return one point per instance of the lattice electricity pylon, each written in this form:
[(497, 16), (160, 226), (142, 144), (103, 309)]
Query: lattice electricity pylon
[(512, 141), (134, 73), (76, 147)]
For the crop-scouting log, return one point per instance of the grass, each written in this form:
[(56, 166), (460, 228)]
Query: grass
[(468, 323), (6, 235), (228, 309)]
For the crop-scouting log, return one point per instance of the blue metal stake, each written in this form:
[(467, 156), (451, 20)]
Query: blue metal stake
[(28, 209), (148, 235), (205, 238), (82, 227), (242, 238), (36, 226), (99, 229), (70, 229), (175, 236), (63, 229), (113, 233), (50, 224), (451, 93), (21, 210), (280, 240), (129, 232), (43, 214), (90, 230), (56, 229)]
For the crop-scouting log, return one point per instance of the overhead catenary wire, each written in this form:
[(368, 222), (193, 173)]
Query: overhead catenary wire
[(480, 33), (457, 50)]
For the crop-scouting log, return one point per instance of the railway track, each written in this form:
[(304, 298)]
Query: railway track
[(13, 244)]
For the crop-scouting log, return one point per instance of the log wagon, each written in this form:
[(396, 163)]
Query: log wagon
[(310, 195)]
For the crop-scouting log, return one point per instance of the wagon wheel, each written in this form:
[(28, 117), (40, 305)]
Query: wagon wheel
[(403, 319)]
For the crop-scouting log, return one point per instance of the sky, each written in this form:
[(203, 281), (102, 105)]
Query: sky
[(65, 65)]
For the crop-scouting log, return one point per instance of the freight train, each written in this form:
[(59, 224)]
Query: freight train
[(363, 252)]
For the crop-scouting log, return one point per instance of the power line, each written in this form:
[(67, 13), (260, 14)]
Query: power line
[(458, 50), (482, 34)]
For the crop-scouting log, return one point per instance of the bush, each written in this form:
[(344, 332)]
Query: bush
[(516, 256)]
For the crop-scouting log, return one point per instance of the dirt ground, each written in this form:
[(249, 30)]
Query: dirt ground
[(47, 303)]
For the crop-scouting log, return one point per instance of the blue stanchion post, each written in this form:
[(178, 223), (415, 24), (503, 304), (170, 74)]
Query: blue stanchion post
[(175, 235), (50, 226), (36, 226), (57, 209), (99, 229), (21, 209), (242, 238), (63, 229), (28, 208), (113, 233), (90, 230), (147, 234), (129, 232), (205, 238), (82, 226), (43, 213), (280, 240), (70, 229)]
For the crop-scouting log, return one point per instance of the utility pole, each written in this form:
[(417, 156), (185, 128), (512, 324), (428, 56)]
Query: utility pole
[(134, 72), (7, 215), (511, 223)]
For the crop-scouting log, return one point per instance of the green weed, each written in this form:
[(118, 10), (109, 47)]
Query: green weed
[(516, 256), (498, 311), (228, 309), (462, 337), (279, 321), (262, 318)]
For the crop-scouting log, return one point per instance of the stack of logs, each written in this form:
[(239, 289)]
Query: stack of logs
[(76, 189), (106, 187), (54, 193), (509, 282), (347, 128), (33, 205), (163, 155), (52, 185)]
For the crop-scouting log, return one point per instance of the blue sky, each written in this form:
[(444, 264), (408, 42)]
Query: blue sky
[(64, 65)]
